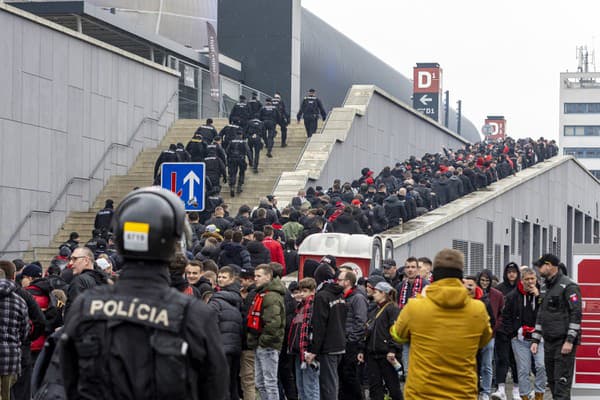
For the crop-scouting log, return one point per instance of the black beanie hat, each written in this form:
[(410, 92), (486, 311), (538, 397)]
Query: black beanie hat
[(323, 273)]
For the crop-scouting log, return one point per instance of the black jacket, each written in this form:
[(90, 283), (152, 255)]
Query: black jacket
[(234, 253), (395, 210), (357, 305), (36, 316), (378, 340), (346, 223), (259, 254), (227, 302), (520, 308), (328, 321), (135, 340), (87, 279)]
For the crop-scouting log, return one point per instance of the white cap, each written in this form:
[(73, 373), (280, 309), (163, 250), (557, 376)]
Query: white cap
[(103, 263)]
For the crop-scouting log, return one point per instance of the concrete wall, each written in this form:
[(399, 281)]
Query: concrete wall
[(536, 196), (66, 99), (386, 133)]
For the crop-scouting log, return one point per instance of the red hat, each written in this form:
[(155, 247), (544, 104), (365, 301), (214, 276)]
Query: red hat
[(369, 173), (356, 202), (369, 181)]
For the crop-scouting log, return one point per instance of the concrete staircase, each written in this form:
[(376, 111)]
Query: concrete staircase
[(141, 174)]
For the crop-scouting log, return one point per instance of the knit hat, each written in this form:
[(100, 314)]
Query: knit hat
[(310, 266), (375, 279), (32, 270), (449, 258), (246, 272), (329, 259), (384, 287), (323, 273)]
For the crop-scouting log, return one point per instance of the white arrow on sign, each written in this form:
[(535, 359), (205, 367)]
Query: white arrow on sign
[(425, 100), (191, 177)]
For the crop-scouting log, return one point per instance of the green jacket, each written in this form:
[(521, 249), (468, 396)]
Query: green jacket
[(292, 229), (273, 317)]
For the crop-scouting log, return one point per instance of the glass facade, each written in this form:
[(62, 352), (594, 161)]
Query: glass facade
[(582, 152), (582, 130), (582, 108)]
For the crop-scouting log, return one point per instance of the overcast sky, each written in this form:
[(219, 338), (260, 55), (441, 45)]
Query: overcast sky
[(499, 58)]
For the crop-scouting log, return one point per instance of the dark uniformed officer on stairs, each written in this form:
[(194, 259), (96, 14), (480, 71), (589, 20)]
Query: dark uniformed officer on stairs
[(237, 151), (270, 118), (255, 134), (311, 108), (141, 339), (240, 113), (284, 117), (559, 324)]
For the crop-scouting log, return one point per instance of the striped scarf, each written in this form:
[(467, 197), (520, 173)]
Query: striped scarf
[(406, 294), (306, 327)]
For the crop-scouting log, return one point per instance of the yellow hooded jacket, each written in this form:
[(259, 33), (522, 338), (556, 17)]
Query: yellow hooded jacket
[(446, 328)]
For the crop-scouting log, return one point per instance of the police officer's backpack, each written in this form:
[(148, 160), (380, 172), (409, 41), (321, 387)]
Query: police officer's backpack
[(46, 380), (115, 332)]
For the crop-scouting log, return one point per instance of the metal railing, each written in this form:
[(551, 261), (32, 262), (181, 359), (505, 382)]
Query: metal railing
[(67, 185)]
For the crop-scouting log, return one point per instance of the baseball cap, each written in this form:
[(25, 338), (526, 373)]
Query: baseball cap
[(32, 270)]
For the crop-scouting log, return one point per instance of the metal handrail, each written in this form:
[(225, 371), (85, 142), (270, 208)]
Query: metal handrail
[(90, 177)]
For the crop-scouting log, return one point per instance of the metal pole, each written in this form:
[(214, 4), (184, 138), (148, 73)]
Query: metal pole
[(446, 107), (458, 115)]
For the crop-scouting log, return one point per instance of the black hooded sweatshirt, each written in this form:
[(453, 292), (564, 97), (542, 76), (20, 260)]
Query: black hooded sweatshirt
[(506, 287)]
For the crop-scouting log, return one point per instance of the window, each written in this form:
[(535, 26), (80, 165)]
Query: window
[(582, 108), (581, 130), (582, 152)]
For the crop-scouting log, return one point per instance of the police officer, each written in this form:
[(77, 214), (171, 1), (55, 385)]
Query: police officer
[(207, 131), (254, 106), (196, 147), (270, 117), (284, 119), (215, 168), (237, 151), (166, 156), (559, 324), (104, 217), (310, 108), (255, 134), (228, 133), (216, 148), (240, 113), (139, 338), (182, 154)]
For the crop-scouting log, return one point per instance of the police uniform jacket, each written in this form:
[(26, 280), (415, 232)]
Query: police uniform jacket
[(240, 112), (228, 133), (269, 113), (559, 317), (280, 105), (141, 339), (310, 108), (238, 149), (254, 107), (208, 133)]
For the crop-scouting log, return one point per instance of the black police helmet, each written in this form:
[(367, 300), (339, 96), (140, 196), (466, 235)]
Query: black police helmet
[(148, 224)]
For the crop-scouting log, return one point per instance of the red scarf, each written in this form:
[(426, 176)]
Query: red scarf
[(417, 286), (255, 322)]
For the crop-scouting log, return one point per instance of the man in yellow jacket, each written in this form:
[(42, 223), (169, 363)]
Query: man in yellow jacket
[(446, 328)]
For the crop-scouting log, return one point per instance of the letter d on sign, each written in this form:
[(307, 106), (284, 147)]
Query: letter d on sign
[(423, 79)]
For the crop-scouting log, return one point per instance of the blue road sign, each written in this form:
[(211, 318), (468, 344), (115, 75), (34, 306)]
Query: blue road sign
[(186, 180)]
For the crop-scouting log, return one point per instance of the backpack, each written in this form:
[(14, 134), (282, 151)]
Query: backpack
[(168, 346), (46, 380)]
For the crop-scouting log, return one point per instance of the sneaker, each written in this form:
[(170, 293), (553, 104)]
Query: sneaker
[(283, 144), (269, 155), (484, 396), (515, 392), (232, 192), (498, 395), (255, 170)]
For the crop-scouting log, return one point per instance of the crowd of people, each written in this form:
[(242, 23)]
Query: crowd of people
[(331, 334), (328, 335)]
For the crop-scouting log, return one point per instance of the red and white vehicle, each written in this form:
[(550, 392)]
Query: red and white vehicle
[(362, 252)]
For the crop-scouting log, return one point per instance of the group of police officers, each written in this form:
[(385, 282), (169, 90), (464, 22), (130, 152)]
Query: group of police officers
[(251, 127)]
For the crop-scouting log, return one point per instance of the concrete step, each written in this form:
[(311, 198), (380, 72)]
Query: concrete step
[(141, 174)]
